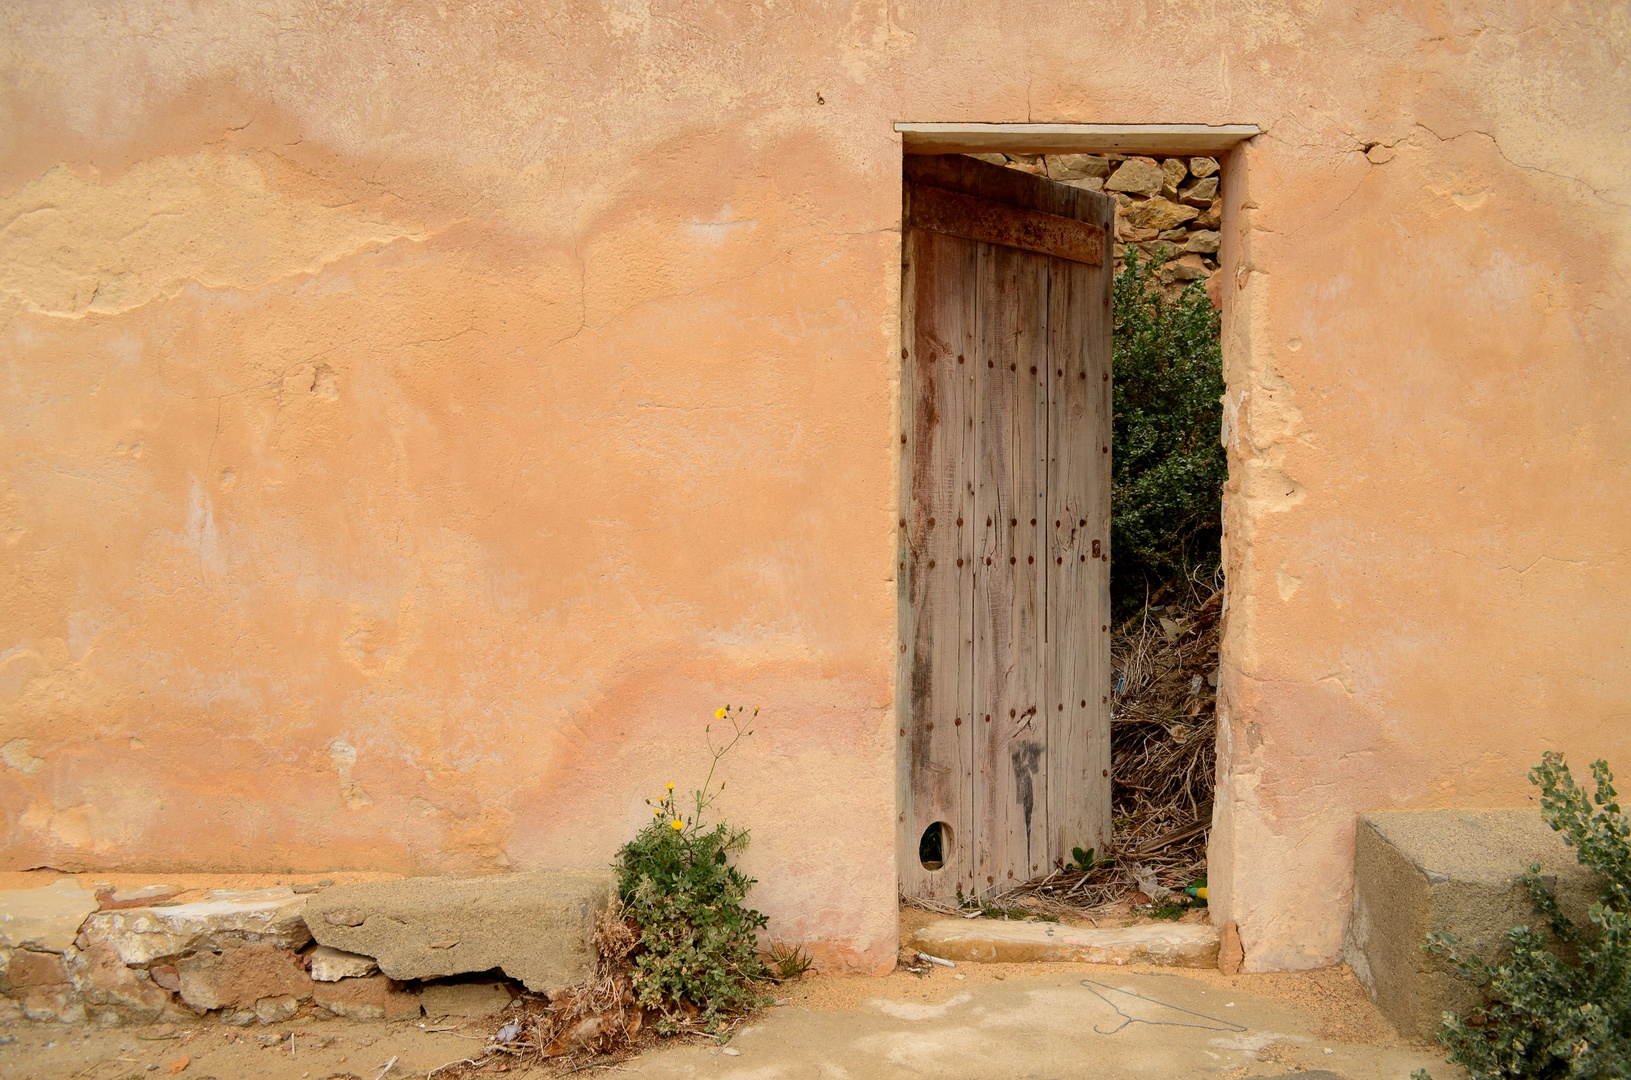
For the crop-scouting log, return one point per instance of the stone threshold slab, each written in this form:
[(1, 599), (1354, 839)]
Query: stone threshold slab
[(997, 941)]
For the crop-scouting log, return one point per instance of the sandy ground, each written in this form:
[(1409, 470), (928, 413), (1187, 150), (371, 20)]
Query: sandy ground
[(977, 1020), (973, 1021)]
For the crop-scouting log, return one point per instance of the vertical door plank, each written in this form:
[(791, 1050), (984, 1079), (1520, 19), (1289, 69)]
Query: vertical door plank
[(1079, 545), (993, 581), (1027, 760), (938, 739), (1010, 449)]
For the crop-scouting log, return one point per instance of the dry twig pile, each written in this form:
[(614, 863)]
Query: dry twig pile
[(1163, 752)]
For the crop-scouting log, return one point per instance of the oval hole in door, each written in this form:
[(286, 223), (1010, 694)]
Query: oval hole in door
[(934, 845)]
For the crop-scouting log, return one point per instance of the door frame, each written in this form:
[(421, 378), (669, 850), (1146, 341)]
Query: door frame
[(1220, 141)]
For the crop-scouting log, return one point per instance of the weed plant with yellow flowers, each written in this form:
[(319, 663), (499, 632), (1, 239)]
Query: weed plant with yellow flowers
[(697, 962)]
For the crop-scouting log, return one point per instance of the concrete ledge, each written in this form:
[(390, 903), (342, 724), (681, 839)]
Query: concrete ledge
[(1451, 871), (995, 941), (534, 927)]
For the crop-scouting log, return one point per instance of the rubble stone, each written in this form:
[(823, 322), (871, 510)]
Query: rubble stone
[(1200, 193), (272, 1010), (1185, 268), (1211, 217), (1173, 172), (479, 998), (101, 978), (1137, 176), (1077, 166), (237, 977), (45, 919), (997, 941), (534, 927), (143, 935), (1159, 213), (1203, 241), (51, 1004), (1202, 166), (332, 965), (373, 997), (26, 967)]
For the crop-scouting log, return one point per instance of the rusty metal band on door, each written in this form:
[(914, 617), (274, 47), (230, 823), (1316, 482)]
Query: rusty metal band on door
[(1004, 534)]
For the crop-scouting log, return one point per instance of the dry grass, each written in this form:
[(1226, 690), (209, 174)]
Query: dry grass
[(1163, 752), (599, 1022)]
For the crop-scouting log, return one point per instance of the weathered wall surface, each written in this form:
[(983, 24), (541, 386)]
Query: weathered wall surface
[(416, 420)]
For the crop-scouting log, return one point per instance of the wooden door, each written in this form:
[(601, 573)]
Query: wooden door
[(1004, 527)]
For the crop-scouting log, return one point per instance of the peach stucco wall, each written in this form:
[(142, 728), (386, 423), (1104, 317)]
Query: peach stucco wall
[(416, 419)]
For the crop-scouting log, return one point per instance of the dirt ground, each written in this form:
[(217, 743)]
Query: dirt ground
[(1331, 1023)]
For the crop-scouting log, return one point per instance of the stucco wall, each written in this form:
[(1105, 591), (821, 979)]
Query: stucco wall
[(417, 420)]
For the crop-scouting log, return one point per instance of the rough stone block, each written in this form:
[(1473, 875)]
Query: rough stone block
[(1137, 175), (51, 1004), (482, 997), (273, 1010), (45, 919), (26, 967), (238, 977), (1454, 871), (143, 935), (374, 997), (101, 978), (534, 927), (332, 965), (995, 941)]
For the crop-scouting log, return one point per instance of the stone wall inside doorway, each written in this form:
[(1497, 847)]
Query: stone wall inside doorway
[(1165, 206)]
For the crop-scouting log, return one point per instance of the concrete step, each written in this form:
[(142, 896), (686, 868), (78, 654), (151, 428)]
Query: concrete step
[(998, 941), (1452, 871)]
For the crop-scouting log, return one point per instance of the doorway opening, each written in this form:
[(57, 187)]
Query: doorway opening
[(1136, 838)]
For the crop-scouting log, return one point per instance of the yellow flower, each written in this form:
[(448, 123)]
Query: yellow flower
[(657, 813), (671, 785), (677, 824), (719, 714)]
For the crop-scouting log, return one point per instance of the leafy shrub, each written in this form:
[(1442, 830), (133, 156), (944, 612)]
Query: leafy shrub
[(1168, 470), (697, 961), (1560, 1005)]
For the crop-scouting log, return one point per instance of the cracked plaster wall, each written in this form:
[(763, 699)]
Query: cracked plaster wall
[(415, 422)]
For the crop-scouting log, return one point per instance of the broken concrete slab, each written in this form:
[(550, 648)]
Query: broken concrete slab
[(534, 927), (481, 997), (143, 935), (999, 941), (332, 965), (45, 919), (1453, 871)]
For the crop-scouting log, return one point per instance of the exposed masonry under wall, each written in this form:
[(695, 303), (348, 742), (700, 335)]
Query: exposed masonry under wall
[(1171, 204)]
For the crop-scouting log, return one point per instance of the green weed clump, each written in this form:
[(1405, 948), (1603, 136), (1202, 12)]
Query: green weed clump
[(1560, 1005), (1169, 466), (697, 962)]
